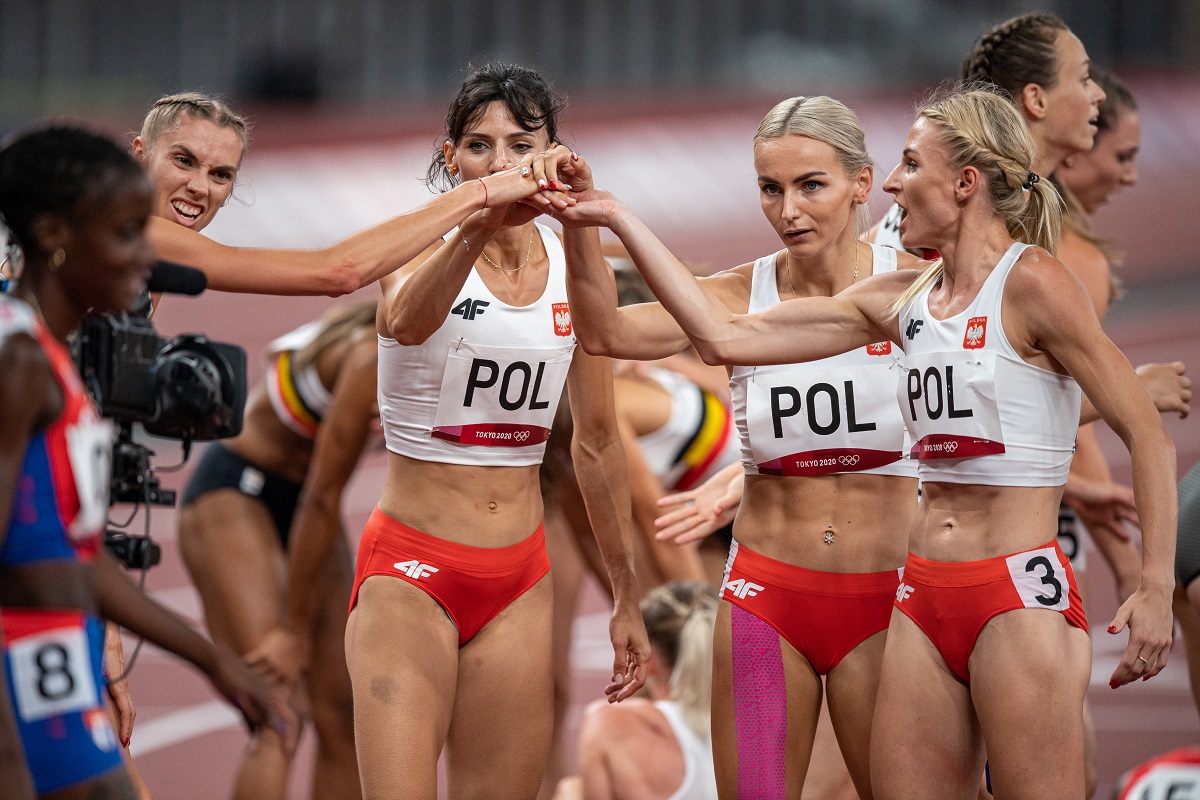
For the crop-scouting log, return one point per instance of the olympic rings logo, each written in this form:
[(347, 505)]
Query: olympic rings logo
[(521, 436), (848, 461), (951, 446)]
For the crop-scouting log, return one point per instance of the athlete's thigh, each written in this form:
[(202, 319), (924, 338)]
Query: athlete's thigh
[(113, 785), (765, 702), (327, 679), (925, 738), (232, 552), (851, 688), (403, 655), (503, 719), (1029, 673)]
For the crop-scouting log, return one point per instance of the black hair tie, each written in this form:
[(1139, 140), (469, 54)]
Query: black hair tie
[(1030, 180)]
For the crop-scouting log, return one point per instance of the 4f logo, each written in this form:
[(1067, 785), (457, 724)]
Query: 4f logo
[(415, 569), (742, 588), (470, 309), (976, 334), (914, 327), (903, 592), (562, 319)]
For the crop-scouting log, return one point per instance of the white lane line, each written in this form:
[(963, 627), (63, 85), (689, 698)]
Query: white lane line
[(179, 726)]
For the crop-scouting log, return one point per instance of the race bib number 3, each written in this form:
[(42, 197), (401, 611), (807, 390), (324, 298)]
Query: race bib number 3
[(51, 674), (499, 396), (1040, 579)]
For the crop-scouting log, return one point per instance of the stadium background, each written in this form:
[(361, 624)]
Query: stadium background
[(346, 97)]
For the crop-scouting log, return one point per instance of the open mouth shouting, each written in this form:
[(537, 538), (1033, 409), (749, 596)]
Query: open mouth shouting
[(186, 213)]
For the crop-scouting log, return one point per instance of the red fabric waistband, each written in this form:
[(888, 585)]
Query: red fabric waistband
[(17, 623), (967, 573), (810, 581), (463, 557)]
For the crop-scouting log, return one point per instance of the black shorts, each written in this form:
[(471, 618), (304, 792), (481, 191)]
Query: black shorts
[(220, 468), (1187, 551)]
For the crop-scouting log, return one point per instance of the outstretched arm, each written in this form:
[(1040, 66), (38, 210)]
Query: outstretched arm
[(121, 601), (349, 264), (604, 482), (856, 317)]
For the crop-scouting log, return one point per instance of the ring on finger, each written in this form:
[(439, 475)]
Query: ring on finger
[(1144, 661)]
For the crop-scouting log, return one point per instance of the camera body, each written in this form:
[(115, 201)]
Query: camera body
[(187, 387)]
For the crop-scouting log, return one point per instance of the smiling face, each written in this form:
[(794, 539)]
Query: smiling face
[(193, 167), (805, 192), (1073, 104), (109, 256), (492, 144), (1109, 166), (923, 184)]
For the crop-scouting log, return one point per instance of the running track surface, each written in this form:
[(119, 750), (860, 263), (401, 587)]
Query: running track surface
[(308, 192)]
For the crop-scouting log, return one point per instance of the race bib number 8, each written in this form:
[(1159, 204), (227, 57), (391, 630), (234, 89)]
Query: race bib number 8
[(52, 674), (1040, 579)]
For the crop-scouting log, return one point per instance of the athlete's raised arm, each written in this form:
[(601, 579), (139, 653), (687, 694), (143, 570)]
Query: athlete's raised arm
[(349, 264)]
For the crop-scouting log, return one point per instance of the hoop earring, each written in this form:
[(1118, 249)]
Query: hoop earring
[(57, 258)]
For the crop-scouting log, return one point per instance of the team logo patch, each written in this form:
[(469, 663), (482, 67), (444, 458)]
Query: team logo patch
[(562, 319), (879, 349), (976, 335)]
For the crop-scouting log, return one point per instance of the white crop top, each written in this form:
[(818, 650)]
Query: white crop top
[(837, 414), (296, 393), (697, 440), (483, 388), (978, 412), (699, 775)]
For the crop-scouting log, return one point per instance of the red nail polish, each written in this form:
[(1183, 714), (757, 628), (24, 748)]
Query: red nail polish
[(125, 743), (574, 157), (1112, 628), (1112, 684), (553, 186)]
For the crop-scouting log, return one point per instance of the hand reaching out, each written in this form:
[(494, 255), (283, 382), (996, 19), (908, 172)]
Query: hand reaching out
[(1168, 386), (699, 512)]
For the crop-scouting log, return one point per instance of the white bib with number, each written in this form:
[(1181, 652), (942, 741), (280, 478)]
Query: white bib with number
[(52, 673), (89, 448)]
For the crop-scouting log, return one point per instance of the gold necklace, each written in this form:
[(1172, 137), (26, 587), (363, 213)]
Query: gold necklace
[(524, 264), (788, 259)]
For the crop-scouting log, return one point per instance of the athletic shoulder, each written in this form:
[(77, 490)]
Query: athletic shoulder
[(1089, 264)]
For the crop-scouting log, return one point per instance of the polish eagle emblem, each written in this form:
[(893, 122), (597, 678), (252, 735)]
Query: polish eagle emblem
[(562, 319), (976, 334)]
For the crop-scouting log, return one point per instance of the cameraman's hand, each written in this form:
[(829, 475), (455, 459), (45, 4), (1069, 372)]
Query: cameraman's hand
[(261, 706), (281, 656)]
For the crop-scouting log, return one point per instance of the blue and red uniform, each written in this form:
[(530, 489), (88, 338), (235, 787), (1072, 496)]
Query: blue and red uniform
[(53, 656)]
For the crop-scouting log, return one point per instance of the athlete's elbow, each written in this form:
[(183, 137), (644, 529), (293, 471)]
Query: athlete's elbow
[(342, 277), (597, 340), (713, 353)]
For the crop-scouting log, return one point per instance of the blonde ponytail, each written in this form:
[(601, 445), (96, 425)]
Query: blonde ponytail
[(339, 322), (680, 617)]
